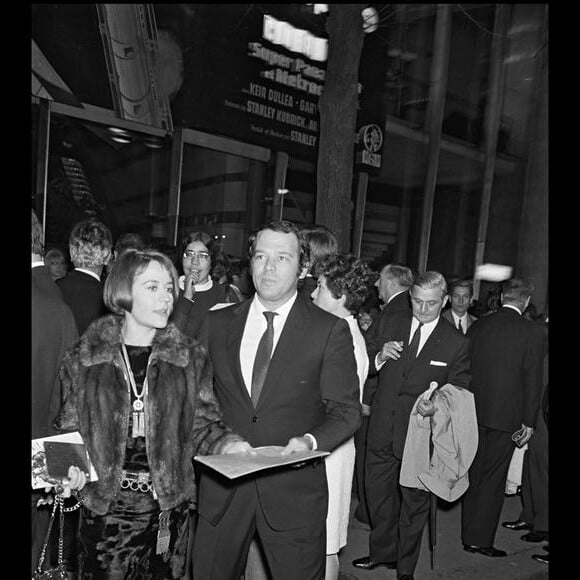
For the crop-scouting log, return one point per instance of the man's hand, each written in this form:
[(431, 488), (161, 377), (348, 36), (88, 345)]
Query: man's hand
[(238, 447), (529, 431), (366, 410), (390, 350), (297, 444), (425, 408)]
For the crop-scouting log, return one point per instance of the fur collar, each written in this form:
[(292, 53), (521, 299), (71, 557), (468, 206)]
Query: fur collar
[(102, 340)]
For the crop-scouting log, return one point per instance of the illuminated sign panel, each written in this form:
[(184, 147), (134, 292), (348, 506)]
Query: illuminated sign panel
[(255, 73)]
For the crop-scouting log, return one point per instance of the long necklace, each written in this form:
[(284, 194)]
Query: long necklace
[(138, 405)]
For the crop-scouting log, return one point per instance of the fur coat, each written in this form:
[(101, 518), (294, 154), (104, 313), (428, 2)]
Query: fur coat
[(182, 417)]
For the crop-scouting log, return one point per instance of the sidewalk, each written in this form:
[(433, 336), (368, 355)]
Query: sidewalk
[(451, 561)]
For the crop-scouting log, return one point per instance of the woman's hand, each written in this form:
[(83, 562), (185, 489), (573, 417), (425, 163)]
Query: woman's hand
[(191, 280), (76, 479)]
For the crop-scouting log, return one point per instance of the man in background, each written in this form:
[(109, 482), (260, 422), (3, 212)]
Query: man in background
[(90, 247), (393, 286), (507, 357), (394, 283), (460, 297), (53, 331)]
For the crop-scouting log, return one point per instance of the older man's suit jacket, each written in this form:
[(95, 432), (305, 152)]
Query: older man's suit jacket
[(444, 358), (400, 303), (311, 387)]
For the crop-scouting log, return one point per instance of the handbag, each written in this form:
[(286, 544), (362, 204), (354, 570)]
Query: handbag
[(58, 573)]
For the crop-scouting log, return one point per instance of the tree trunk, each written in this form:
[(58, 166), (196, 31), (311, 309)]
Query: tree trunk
[(338, 106)]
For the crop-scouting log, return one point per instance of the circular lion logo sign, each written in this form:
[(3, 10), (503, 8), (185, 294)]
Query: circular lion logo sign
[(372, 138)]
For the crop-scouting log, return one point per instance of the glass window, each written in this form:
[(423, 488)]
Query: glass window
[(469, 62), (120, 177), (223, 195)]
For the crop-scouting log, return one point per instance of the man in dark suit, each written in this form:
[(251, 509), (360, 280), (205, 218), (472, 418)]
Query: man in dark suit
[(460, 297), (308, 400), (393, 286), (394, 283), (53, 331), (507, 356), (409, 351), (534, 517), (90, 246)]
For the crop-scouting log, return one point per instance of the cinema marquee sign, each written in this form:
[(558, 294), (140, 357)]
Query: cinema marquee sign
[(254, 76), (282, 100)]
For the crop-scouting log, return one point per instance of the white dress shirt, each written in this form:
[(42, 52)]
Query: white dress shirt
[(255, 327), (456, 320), (426, 331), (395, 295), (512, 307), (89, 272)]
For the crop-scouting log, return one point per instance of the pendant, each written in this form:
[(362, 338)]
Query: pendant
[(163, 533), (138, 422), (138, 405)]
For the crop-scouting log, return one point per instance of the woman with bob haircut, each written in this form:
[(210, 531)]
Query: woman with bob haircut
[(140, 392)]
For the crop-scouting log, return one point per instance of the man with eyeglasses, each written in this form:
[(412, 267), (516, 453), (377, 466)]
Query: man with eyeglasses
[(198, 293)]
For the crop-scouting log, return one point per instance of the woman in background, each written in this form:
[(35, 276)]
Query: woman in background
[(221, 273), (322, 243), (198, 293), (57, 263), (344, 284)]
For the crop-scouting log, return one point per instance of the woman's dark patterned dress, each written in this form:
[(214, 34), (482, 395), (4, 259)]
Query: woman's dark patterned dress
[(121, 544)]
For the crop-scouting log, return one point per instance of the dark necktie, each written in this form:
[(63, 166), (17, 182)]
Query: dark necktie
[(414, 346), (460, 326), (263, 355)]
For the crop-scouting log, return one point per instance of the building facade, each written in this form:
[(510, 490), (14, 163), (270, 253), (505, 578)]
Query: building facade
[(166, 118)]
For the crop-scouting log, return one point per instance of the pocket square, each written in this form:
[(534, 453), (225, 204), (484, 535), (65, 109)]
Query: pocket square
[(438, 363)]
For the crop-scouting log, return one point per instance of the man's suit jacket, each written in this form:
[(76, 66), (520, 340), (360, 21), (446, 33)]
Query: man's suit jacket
[(444, 358), (449, 316), (507, 357), (311, 387), (53, 331), (84, 295), (400, 303)]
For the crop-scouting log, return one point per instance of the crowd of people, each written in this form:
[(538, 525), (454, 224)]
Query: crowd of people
[(407, 385)]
